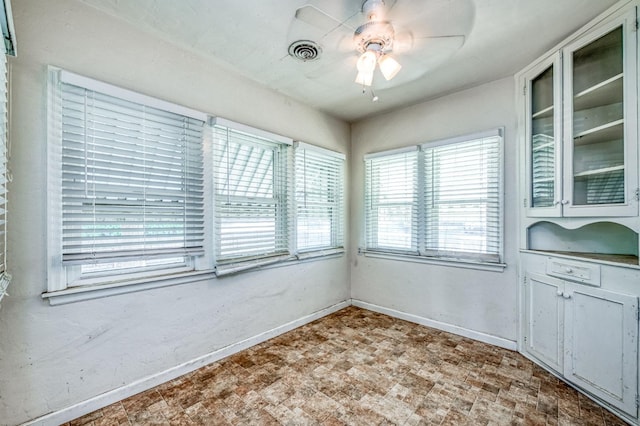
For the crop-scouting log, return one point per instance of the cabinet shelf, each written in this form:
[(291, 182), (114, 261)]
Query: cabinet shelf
[(604, 93), (625, 259), (543, 113), (606, 132), (600, 171)]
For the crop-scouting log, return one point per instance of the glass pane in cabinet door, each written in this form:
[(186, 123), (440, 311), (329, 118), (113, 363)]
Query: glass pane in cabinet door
[(542, 140), (598, 122)]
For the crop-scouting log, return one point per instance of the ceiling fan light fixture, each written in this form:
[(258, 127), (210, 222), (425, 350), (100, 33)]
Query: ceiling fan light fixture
[(367, 62), (364, 78), (389, 66)]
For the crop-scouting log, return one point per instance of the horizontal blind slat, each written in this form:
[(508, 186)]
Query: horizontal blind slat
[(391, 202), (462, 199), (250, 195), (132, 179), (319, 197)]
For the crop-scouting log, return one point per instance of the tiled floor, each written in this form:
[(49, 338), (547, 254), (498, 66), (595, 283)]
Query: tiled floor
[(357, 367)]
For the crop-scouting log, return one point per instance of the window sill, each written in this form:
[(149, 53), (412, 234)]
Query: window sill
[(78, 294), (482, 266), (89, 292), (277, 262)]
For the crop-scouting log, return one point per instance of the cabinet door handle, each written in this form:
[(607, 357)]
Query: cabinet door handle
[(565, 202), (556, 202), (566, 295), (559, 293)]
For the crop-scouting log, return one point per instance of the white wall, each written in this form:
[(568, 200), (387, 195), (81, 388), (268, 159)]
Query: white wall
[(477, 301), (53, 357)]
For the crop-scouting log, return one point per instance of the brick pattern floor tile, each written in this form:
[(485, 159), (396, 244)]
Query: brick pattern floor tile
[(357, 367)]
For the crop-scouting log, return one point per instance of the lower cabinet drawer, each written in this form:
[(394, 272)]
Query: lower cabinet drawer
[(582, 272)]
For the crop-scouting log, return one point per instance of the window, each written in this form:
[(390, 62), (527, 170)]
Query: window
[(463, 198), (252, 196), (391, 201), (127, 183), (6, 48), (440, 200), (134, 202), (261, 216), (319, 177)]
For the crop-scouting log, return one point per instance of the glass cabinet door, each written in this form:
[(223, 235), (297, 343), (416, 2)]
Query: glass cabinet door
[(600, 161), (543, 139)]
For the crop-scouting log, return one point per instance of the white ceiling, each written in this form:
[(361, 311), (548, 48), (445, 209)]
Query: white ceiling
[(251, 37)]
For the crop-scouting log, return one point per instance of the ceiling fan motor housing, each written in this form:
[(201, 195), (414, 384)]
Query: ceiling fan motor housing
[(374, 35), (374, 10)]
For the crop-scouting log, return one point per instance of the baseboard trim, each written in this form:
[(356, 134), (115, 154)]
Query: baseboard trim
[(472, 334), (67, 414), (74, 411)]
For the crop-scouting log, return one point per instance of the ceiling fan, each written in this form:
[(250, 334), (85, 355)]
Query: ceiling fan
[(403, 38)]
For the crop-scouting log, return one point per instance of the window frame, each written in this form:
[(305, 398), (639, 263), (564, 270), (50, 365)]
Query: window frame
[(337, 206), (65, 282), (8, 48), (373, 203), (480, 261), (282, 195)]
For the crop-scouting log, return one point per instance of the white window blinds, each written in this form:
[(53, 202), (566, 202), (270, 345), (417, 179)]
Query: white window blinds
[(543, 170), (132, 179), (462, 198), (439, 200), (391, 201), (252, 190), (4, 276), (319, 177)]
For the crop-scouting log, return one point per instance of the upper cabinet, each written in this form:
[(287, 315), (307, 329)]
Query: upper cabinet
[(544, 138), (581, 126), (601, 125)]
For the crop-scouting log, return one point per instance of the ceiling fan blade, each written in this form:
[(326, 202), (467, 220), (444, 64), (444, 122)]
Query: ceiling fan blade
[(404, 10), (320, 19), (434, 17), (429, 44), (426, 55), (339, 68), (406, 42)]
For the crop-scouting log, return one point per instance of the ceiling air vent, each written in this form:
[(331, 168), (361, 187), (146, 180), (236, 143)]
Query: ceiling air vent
[(305, 50)]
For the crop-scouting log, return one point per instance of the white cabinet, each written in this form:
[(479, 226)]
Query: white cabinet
[(579, 220), (601, 344), (544, 319), (581, 129), (586, 334), (578, 126), (600, 131), (543, 112)]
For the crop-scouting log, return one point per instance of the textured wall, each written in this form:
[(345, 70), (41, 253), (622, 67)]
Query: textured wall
[(53, 357), (480, 301)]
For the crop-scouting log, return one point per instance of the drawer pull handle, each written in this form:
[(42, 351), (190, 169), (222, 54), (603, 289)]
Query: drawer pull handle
[(568, 270)]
